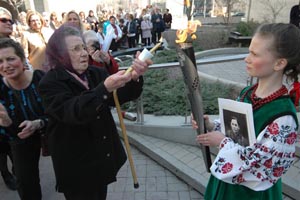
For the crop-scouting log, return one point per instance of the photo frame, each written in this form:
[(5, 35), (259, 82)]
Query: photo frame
[(237, 121)]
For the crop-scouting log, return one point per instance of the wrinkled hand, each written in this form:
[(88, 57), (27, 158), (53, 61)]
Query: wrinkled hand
[(211, 138), (117, 80), (29, 128), (5, 120), (100, 56), (139, 67)]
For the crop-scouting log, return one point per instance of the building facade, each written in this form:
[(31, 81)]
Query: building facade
[(270, 10)]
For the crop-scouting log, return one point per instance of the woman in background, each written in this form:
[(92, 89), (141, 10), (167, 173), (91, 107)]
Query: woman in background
[(35, 39), (98, 57)]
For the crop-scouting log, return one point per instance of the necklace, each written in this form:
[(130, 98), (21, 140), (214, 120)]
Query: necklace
[(258, 102)]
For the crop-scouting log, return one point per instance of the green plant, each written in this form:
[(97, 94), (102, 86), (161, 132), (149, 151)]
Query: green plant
[(247, 28), (165, 94)]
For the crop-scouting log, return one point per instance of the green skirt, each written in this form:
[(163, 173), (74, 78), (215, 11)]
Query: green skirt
[(219, 190)]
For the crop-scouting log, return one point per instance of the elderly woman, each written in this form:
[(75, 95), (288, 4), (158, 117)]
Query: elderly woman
[(97, 57), (83, 140), (35, 39), (21, 116)]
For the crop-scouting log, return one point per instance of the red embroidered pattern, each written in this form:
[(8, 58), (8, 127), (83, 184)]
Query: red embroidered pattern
[(258, 102), (273, 129), (291, 138), (227, 168)]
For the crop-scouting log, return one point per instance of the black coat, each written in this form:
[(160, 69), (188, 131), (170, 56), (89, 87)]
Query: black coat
[(83, 139)]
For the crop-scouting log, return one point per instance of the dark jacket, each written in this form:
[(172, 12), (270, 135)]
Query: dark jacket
[(132, 29), (83, 139)]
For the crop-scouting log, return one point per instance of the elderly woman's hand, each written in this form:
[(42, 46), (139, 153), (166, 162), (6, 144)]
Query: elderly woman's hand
[(213, 138), (139, 67), (117, 80), (100, 56)]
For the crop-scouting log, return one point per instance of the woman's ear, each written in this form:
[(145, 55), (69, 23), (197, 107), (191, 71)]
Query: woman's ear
[(281, 63)]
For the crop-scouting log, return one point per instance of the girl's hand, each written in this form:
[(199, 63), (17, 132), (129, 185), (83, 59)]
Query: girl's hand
[(209, 125), (211, 138)]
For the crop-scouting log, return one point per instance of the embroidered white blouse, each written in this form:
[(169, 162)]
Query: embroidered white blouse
[(259, 166)]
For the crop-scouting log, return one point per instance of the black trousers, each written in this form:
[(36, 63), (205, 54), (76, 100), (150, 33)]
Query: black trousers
[(90, 195), (156, 35), (114, 45), (4, 152), (131, 42), (26, 163)]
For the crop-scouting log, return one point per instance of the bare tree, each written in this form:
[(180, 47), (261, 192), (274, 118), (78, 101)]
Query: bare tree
[(273, 9), (13, 6), (16, 3), (229, 5)]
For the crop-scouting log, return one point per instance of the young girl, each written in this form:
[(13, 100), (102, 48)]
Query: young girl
[(254, 172)]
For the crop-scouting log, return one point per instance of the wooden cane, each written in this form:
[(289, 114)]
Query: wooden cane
[(121, 120)]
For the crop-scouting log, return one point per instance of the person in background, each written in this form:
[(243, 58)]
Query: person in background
[(35, 39), (146, 27), (158, 25), (100, 35), (84, 143), (73, 18), (123, 40), (22, 25), (63, 16), (97, 57), (22, 117), (6, 29), (141, 18), (138, 33), (131, 28), (167, 19), (255, 171), (116, 32), (106, 22), (295, 15), (92, 20), (82, 17), (54, 23), (46, 18)]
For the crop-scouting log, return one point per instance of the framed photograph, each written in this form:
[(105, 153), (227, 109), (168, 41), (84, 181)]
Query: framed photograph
[(237, 121)]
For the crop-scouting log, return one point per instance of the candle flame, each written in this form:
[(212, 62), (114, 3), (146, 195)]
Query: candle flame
[(182, 35)]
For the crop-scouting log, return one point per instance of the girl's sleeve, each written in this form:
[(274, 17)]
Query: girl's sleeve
[(259, 166)]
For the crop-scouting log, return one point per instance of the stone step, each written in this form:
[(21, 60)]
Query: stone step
[(187, 163)]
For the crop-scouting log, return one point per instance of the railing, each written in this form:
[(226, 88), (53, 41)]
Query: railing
[(204, 57)]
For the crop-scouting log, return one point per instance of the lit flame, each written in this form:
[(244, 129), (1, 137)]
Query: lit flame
[(182, 35)]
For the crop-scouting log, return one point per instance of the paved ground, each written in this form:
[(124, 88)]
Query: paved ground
[(156, 183)]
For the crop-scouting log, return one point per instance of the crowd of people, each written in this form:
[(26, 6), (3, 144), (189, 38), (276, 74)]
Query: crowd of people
[(57, 79), (130, 29)]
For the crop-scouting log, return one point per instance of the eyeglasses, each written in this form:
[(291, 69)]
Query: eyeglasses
[(5, 20), (78, 48), (35, 20)]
